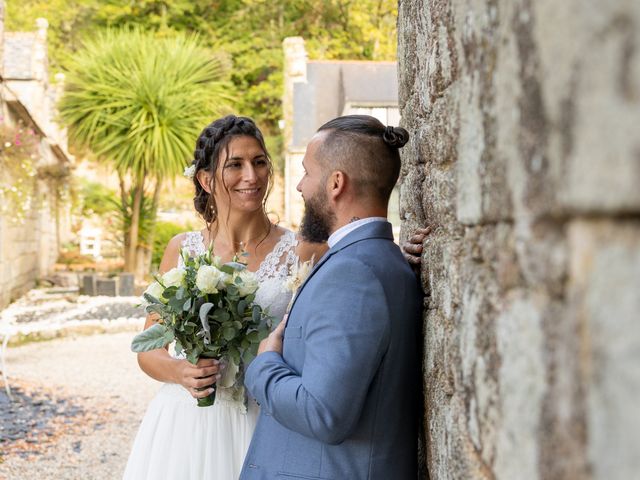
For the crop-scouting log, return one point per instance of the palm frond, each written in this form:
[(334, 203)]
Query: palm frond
[(140, 101)]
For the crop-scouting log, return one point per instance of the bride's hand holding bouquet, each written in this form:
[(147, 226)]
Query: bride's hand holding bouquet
[(209, 310)]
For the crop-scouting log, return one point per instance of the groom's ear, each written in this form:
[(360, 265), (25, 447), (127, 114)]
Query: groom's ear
[(336, 184)]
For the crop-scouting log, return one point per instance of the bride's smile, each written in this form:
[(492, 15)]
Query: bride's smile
[(244, 175)]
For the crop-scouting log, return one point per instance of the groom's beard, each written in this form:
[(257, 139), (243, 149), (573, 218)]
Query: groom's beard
[(318, 220)]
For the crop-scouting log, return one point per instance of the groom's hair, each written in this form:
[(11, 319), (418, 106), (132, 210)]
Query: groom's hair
[(366, 150)]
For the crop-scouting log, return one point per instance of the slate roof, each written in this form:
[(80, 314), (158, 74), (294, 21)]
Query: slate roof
[(18, 55), (333, 84)]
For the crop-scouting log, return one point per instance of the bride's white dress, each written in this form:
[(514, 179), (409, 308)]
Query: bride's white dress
[(178, 440)]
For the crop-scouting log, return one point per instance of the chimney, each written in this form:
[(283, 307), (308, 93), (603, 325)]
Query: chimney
[(295, 71), (40, 59), (2, 9)]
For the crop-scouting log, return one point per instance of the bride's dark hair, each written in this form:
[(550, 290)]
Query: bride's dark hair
[(213, 140)]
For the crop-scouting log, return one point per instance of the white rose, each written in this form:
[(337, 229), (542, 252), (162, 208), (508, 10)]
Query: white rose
[(173, 277), (208, 279), (225, 280), (249, 283), (155, 290)]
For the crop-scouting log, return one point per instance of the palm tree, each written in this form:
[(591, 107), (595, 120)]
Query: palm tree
[(139, 102)]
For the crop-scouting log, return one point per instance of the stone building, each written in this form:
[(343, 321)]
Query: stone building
[(35, 219), (526, 156), (317, 91)]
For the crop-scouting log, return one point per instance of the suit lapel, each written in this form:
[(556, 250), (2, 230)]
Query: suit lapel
[(381, 230)]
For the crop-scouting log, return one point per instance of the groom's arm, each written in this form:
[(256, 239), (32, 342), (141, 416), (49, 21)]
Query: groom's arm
[(346, 336)]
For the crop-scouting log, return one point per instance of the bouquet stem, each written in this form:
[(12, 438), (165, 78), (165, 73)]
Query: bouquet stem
[(210, 399)]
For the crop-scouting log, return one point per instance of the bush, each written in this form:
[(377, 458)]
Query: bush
[(98, 199), (164, 232)]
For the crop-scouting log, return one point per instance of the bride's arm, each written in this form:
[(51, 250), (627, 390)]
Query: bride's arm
[(158, 364)]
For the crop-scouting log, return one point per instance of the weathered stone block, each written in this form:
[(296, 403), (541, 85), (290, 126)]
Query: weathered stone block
[(126, 284), (524, 153), (107, 287), (605, 299), (88, 285)]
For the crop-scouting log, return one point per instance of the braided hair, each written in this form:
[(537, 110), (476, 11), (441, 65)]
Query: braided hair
[(213, 140)]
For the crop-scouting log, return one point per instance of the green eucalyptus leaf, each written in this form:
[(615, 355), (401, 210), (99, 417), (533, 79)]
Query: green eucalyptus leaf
[(242, 306), (222, 315), (248, 355), (187, 305), (256, 315), (178, 348), (176, 304), (229, 333), (234, 355), (232, 291), (151, 299), (156, 336), (254, 337), (170, 292), (193, 356)]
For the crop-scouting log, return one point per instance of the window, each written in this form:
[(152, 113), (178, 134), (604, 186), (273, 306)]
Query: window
[(387, 115)]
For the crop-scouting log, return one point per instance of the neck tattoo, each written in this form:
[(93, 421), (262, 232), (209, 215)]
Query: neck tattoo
[(354, 219)]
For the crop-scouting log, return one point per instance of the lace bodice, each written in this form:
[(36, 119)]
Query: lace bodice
[(271, 273), (271, 295)]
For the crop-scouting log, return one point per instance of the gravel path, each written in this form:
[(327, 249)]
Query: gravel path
[(100, 377)]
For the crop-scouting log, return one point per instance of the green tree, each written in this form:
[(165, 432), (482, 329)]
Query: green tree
[(138, 102), (250, 31)]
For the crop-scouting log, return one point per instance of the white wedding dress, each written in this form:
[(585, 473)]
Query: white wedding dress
[(178, 440)]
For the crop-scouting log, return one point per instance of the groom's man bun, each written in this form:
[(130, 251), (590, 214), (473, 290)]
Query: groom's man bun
[(366, 150)]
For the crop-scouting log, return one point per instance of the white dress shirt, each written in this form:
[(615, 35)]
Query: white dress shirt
[(350, 227)]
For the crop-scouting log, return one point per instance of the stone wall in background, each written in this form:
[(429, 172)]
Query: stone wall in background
[(31, 235), (525, 116)]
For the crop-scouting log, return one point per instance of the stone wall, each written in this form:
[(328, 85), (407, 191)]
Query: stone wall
[(30, 240), (526, 156), (28, 247)]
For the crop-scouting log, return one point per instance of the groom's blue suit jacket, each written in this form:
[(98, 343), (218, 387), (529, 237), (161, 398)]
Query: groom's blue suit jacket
[(341, 402)]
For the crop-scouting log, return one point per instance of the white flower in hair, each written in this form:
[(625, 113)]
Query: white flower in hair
[(190, 172)]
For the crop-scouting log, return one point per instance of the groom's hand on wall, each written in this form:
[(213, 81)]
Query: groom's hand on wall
[(412, 248)]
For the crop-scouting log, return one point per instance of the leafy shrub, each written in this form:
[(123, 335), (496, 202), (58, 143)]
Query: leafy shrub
[(164, 232)]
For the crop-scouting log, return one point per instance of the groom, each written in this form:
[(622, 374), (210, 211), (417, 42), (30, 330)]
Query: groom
[(338, 386)]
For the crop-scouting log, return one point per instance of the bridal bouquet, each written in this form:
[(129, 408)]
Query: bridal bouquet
[(208, 309)]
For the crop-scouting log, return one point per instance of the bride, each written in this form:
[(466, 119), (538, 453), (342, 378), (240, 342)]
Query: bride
[(232, 175)]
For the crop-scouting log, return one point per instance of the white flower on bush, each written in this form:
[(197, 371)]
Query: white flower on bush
[(174, 277), (209, 279), (155, 290), (249, 283)]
